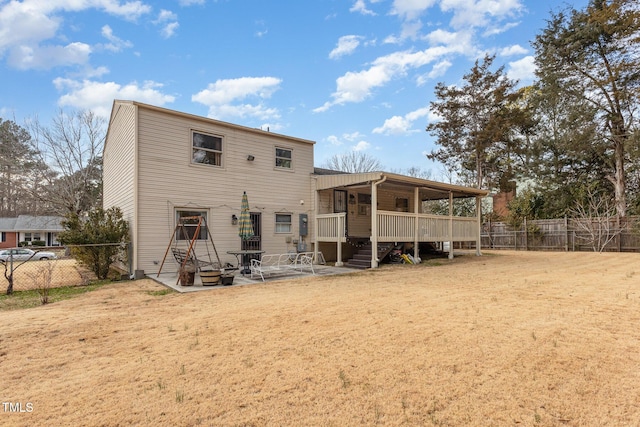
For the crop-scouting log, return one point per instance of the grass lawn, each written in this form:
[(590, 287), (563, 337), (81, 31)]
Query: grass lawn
[(507, 339)]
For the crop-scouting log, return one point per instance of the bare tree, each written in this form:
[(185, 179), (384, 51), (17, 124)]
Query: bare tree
[(353, 162), (597, 218), (414, 171), (72, 148)]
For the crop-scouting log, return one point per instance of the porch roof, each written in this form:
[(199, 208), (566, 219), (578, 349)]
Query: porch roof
[(429, 190)]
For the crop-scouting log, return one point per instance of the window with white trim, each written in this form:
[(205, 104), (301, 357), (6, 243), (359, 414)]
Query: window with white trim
[(206, 149), (189, 221), (283, 223), (284, 158)]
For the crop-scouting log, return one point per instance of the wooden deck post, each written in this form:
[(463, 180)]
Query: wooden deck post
[(450, 224), (479, 221)]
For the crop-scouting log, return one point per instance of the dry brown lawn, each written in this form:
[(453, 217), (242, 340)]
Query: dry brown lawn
[(507, 339)]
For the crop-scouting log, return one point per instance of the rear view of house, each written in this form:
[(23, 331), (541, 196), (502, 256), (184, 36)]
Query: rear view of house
[(161, 165)]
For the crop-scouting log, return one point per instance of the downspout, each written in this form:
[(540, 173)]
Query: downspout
[(374, 222)]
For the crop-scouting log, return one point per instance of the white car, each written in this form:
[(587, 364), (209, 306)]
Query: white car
[(22, 254)]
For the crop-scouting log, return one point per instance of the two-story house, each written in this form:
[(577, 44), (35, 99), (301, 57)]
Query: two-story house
[(161, 165)]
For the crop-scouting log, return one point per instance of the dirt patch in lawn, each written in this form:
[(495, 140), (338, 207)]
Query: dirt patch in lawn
[(509, 338)]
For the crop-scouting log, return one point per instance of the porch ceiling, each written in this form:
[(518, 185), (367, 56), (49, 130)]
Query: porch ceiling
[(429, 190)]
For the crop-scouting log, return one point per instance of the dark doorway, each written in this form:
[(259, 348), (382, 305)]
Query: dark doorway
[(253, 243)]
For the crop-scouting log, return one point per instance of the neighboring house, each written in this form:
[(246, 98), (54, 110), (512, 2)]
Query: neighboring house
[(28, 228), (160, 165)]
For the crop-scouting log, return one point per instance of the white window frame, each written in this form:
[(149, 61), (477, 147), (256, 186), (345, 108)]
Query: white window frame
[(283, 227), (280, 158), (191, 212), (200, 150)]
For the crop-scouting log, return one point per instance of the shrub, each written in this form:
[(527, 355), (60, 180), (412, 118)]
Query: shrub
[(96, 240)]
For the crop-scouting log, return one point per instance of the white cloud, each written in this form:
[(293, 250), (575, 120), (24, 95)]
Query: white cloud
[(191, 2), (98, 96), (399, 125), (224, 97), (512, 50), (361, 146), (25, 28), (165, 16), (410, 9), (334, 140), (169, 30), (438, 70), (47, 57), (115, 44), (358, 86), (169, 23), (360, 6), (523, 69), (350, 137), (346, 46), (480, 13)]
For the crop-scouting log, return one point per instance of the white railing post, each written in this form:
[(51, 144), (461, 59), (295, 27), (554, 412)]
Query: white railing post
[(416, 213), (339, 234)]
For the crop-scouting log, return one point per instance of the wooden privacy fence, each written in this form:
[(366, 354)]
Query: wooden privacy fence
[(564, 235)]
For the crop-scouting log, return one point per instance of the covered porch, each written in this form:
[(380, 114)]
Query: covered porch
[(391, 208)]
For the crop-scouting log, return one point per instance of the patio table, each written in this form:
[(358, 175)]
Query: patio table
[(243, 257)]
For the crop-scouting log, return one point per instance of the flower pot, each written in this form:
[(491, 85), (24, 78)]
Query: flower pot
[(227, 280), (187, 277), (210, 278)]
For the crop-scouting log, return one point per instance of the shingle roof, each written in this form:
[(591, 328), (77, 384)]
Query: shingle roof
[(38, 223), (8, 224)]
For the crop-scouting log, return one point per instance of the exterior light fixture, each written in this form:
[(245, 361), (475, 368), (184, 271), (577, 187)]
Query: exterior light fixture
[(234, 219), (250, 158)]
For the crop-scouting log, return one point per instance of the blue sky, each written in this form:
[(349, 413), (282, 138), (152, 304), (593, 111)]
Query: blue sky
[(348, 74)]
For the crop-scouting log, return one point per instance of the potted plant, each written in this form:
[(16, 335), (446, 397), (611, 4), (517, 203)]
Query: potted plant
[(187, 274)]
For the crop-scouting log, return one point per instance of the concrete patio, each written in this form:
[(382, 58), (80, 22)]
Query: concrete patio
[(170, 279)]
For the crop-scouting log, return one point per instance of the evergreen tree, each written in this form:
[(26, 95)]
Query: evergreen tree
[(98, 238), (590, 59), (17, 164), (476, 130)]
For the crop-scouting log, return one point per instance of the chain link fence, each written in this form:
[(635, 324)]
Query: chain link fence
[(63, 270)]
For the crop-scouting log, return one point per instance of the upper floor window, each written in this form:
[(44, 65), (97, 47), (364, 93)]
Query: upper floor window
[(283, 158), (206, 149)]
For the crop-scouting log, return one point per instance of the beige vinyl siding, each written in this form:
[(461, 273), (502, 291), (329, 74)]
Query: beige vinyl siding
[(119, 188), (168, 180)]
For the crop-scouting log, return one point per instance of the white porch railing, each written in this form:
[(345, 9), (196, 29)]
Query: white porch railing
[(401, 227), (331, 227)]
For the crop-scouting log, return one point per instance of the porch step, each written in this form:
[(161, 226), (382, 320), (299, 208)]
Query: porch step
[(362, 258)]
